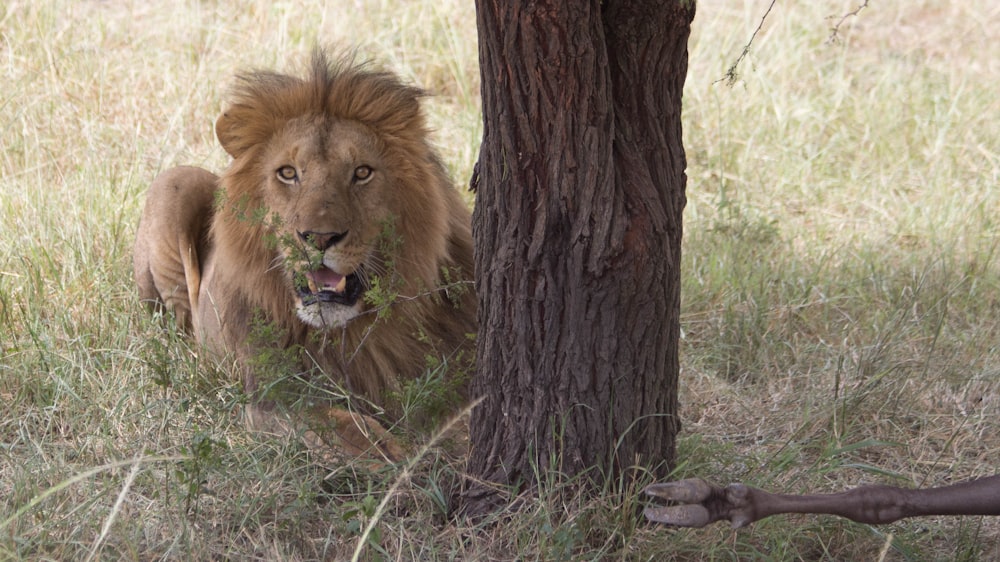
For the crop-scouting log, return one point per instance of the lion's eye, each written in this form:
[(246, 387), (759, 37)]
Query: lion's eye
[(363, 173), (287, 174)]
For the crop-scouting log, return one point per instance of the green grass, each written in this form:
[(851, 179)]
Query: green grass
[(840, 288)]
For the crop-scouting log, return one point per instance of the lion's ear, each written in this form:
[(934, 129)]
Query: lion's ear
[(224, 129)]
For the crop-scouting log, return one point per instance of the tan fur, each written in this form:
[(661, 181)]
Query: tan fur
[(228, 263)]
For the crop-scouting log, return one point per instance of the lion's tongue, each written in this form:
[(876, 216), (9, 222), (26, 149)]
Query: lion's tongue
[(325, 279)]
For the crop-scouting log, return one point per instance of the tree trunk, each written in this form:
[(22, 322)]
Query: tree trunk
[(577, 229)]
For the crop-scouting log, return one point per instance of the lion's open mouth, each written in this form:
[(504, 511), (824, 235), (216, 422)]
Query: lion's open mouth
[(325, 285)]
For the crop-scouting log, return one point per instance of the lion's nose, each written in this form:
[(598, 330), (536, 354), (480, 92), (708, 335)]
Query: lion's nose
[(322, 240)]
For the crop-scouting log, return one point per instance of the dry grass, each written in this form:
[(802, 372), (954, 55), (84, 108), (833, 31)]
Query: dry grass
[(840, 286)]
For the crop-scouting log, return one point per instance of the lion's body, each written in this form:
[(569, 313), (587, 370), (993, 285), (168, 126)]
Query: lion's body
[(333, 190)]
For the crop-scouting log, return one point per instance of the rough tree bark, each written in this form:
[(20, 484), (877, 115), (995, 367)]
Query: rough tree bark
[(578, 229)]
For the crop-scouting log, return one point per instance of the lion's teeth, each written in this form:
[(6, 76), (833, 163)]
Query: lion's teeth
[(325, 280)]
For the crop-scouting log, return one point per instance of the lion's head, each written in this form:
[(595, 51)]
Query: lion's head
[(333, 185)]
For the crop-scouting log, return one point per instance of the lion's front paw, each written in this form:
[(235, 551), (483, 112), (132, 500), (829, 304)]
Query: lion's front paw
[(358, 435)]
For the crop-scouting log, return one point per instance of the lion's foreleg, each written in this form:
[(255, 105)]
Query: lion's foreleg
[(332, 433)]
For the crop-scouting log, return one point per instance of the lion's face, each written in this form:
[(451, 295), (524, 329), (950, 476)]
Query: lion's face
[(332, 186), (324, 191)]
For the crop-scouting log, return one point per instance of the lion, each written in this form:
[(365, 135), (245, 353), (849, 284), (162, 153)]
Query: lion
[(335, 235)]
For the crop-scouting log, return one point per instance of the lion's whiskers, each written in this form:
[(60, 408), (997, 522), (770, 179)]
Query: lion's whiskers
[(276, 264)]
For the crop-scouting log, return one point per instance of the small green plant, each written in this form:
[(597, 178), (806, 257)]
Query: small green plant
[(430, 399), (201, 459), (454, 286), (356, 515), (383, 281), (559, 542)]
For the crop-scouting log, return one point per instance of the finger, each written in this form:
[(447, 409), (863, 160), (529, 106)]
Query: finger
[(692, 490), (679, 515)]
